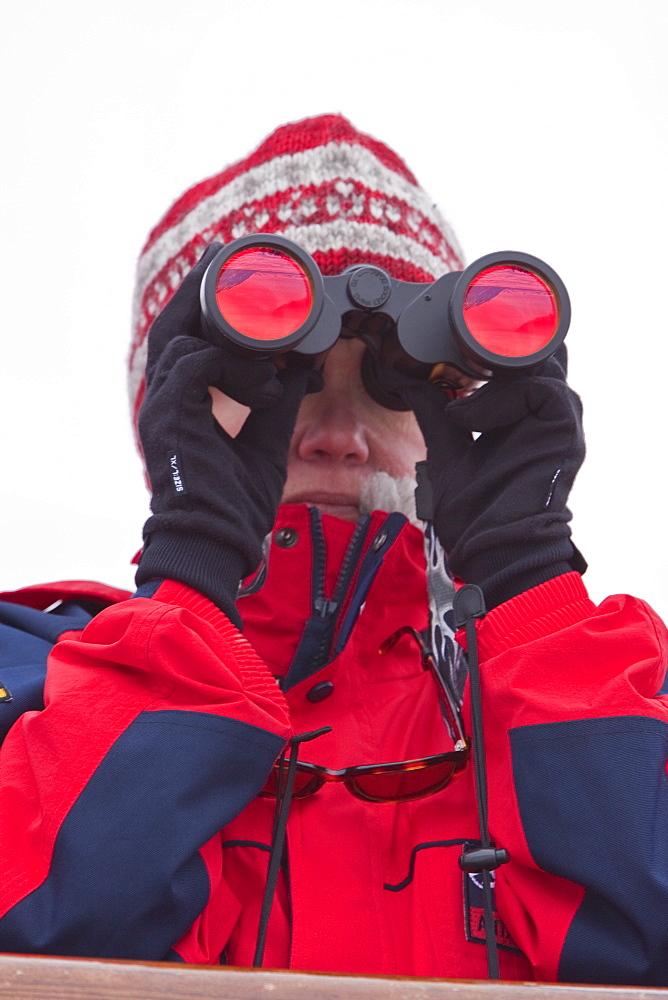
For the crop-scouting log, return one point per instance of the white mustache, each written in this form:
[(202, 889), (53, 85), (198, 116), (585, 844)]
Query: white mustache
[(381, 491)]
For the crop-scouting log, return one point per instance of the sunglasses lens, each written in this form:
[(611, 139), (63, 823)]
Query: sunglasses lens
[(305, 784), (264, 294), (510, 311), (400, 786)]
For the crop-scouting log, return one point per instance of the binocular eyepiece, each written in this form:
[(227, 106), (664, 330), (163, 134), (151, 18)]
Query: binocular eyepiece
[(265, 296)]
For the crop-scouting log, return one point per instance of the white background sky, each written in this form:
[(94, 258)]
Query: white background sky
[(536, 126)]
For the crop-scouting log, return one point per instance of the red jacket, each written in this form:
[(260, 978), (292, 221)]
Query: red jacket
[(131, 825)]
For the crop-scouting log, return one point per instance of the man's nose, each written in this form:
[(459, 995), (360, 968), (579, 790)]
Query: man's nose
[(331, 430), (332, 433)]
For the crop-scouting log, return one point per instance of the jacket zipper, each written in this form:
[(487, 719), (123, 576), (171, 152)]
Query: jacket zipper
[(317, 638), (323, 607)]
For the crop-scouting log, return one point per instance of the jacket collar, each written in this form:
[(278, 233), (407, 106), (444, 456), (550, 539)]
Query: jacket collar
[(320, 574)]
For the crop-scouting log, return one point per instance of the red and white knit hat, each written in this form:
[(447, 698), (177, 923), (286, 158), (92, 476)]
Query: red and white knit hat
[(341, 195)]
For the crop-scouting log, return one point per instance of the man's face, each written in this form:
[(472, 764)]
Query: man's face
[(341, 438)]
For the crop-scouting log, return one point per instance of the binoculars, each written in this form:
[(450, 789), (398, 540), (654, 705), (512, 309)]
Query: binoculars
[(264, 296)]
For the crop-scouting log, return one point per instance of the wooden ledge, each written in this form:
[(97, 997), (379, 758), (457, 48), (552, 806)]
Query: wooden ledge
[(37, 978)]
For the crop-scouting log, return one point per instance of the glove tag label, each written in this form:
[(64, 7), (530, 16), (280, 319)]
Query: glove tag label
[(552, 486), (179, 486)]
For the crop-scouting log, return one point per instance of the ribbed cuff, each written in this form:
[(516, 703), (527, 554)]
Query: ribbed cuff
[(207, 566), (534, 614), (505, 571)]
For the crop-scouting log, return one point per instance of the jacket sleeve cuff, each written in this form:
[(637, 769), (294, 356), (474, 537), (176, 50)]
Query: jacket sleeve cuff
[(202, 563), (547, 608)]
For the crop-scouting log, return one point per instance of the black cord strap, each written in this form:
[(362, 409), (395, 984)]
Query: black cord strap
[(469, 605), (283, 802)]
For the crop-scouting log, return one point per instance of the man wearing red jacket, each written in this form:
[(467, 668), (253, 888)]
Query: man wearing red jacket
[(141, 813)]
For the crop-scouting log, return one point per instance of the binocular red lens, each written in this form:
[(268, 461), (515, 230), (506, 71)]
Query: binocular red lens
[(510, 311), (263, 294)]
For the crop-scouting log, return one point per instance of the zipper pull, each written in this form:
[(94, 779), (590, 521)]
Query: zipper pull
[(325, 608)]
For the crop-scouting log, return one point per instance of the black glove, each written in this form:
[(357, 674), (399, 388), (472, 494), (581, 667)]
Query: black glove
[(214, 497), (499, 500)]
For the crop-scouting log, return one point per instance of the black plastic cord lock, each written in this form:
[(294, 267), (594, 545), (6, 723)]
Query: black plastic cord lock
[(483, 859), (468, 604)]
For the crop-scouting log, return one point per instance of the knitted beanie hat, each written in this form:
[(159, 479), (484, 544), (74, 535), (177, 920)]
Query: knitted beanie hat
[(341, 195)]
